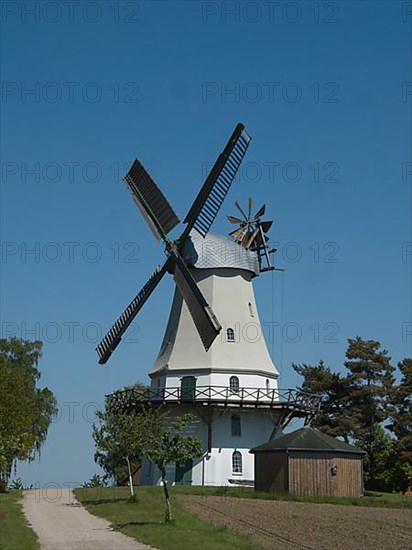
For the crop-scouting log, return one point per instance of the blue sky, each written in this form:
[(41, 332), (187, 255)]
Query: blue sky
[(323, 90)]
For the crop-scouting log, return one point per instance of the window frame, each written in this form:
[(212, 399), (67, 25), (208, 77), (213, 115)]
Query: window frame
[(230, 335), (234, 385), (237, 463)]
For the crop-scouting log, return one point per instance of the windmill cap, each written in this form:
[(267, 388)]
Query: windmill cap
[(216, 251)]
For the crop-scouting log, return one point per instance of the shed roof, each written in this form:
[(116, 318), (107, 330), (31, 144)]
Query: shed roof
[(307, 439)]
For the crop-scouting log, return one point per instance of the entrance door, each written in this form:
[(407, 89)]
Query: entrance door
[(187, 388), (184, 473)]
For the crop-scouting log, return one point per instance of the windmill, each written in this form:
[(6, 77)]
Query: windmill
[(230, 387), (162, 219), (252, 233)]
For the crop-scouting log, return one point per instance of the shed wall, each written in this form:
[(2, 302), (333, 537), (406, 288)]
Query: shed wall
[(271, 471), (310, 473), (349, 479)]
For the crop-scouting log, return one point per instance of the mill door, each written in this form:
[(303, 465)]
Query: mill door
[(187, 388), (184, 473)]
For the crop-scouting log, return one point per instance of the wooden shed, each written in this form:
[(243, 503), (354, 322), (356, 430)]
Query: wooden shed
[(309, 462), (135, 476)]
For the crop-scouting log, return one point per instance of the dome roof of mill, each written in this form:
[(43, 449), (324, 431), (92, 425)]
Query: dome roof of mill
[(215, 251)]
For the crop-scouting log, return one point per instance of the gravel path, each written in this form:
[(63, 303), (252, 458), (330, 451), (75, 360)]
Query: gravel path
[(61, 523), (296, 525)]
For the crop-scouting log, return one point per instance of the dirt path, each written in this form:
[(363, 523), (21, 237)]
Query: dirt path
[(296, 525), (61, 523)]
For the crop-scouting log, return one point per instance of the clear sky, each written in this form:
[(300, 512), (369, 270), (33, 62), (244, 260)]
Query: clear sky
[(325, 91)]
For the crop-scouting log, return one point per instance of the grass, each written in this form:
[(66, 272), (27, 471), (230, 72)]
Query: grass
[(14, 530), (377, 500), (143, 520)]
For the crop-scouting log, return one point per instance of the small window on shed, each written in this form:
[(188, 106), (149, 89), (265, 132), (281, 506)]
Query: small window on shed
[(236, 428), (234, 384), (230, 335), (251, 309), (236, 462)]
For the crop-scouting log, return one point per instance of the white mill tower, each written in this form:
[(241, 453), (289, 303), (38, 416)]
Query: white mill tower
[(213, 361), (230, 387)]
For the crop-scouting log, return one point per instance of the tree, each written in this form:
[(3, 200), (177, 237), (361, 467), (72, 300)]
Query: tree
[(370, 380), (125, 428), (359, 405), (401, 426), (170, 445), (333, 389), (25, 410)]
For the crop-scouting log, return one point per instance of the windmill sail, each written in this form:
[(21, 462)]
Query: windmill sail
[(161, 219), (205, 320), (210, 198), (150, 200), (114, 336)]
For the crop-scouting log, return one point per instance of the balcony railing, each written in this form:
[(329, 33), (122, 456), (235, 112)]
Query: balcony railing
[(218, 395)]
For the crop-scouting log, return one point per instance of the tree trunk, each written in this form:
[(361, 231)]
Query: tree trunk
[(130, 476), (168, 511)]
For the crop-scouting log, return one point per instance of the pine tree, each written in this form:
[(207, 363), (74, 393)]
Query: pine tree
[(370, 382), (401, 426), (332, 418), (402, 400)]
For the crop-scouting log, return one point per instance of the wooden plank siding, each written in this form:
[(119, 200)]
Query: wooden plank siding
[(271, 471), (310, 473), (349, 478)]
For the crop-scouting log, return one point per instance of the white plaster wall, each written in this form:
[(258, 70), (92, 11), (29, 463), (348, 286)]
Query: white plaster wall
[(215, 468), (218, 379), (229, 292), (220, 385), (256, 427)]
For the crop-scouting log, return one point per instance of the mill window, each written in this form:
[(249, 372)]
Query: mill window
[(230, 335), (234, 384), (236, 462)]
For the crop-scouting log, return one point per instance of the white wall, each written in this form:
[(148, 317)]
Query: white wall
[(229, 292), (218, 379), (215, 468)]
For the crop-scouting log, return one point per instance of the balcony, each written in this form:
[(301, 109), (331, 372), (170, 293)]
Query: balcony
[(301, 403)]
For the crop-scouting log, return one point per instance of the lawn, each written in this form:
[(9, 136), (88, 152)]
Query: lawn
[(15, 534), (143, 520), (378, 500)]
